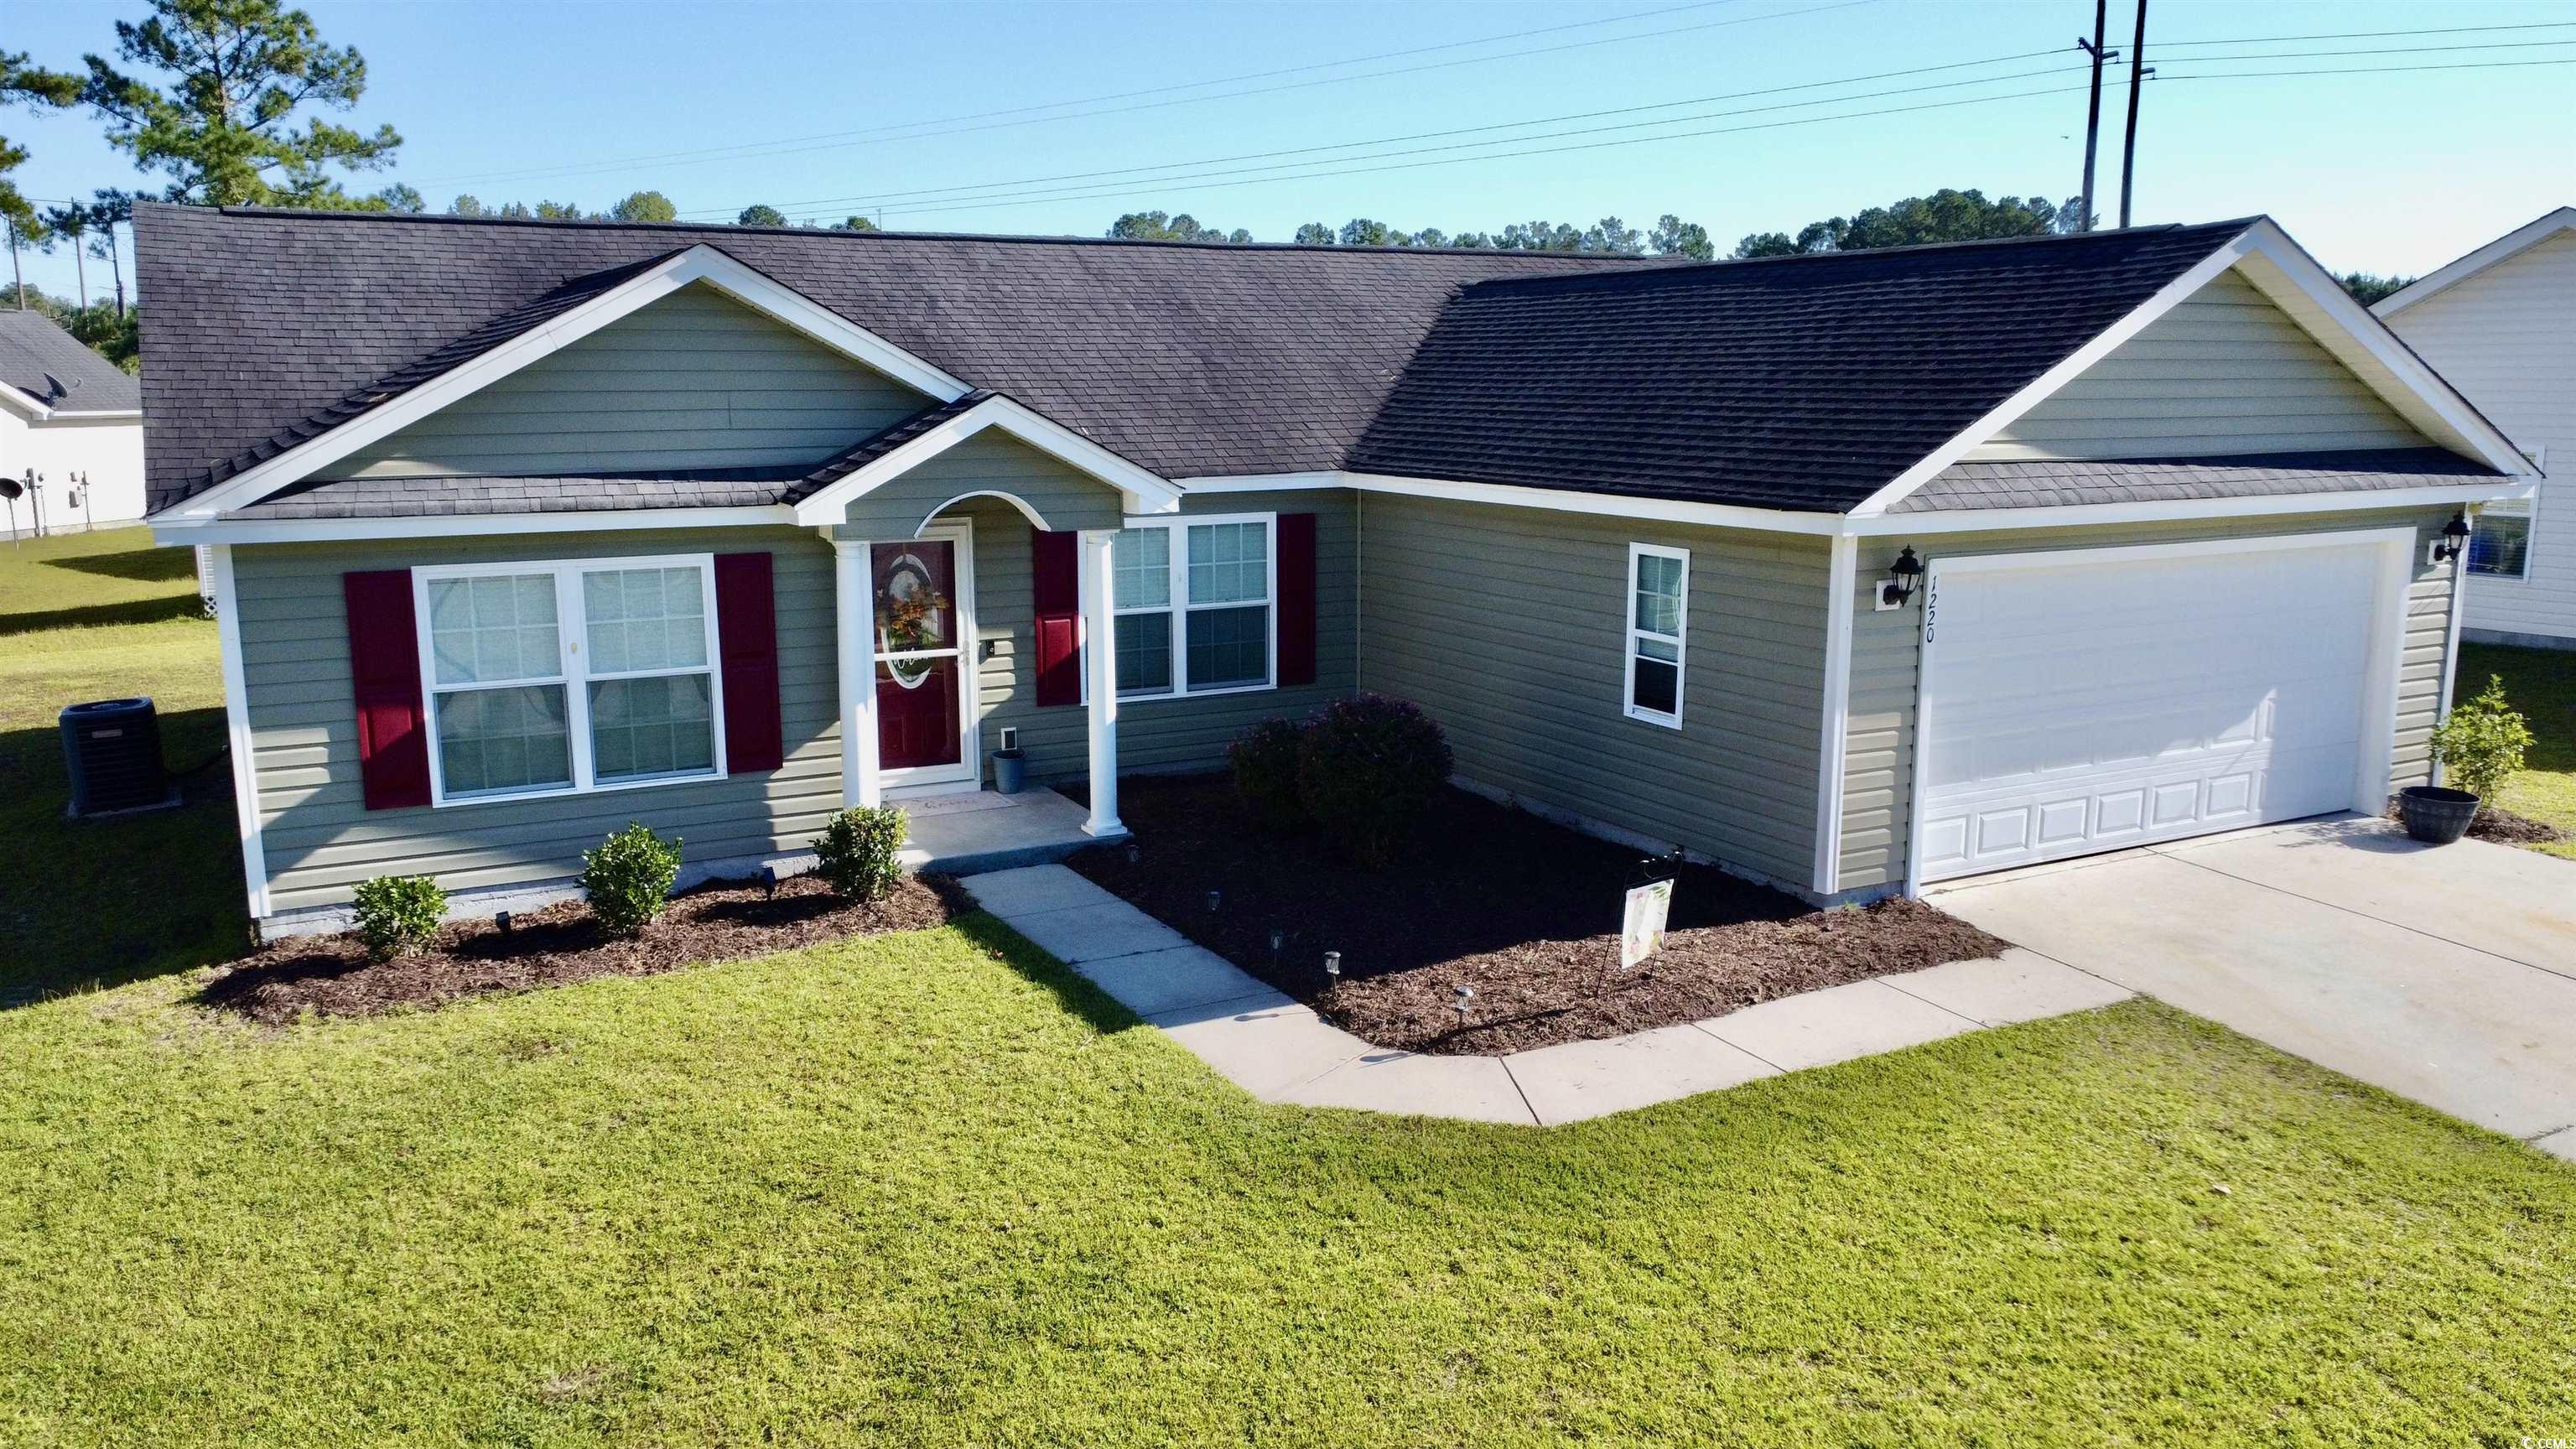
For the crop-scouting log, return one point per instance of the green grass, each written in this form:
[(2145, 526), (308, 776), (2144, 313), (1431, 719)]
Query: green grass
[(931, 1189), (96, 616), (2542, 684)]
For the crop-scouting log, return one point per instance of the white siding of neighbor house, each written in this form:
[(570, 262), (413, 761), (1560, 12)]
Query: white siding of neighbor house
[(696, 380), (1878, 777), (1510, 626), (2506, 338), (2224, 372), (108, 453)]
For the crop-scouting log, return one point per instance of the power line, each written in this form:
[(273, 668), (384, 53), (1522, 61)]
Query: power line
[(1049, 188), (1584, 131), (873, 197), (880, 135), (2376, 34), (1734, 130)]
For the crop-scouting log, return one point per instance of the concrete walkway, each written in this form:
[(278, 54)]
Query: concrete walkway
[(2445, 974), (1279, 1050)]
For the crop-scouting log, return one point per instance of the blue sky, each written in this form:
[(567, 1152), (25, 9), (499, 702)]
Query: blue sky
[(949, 116)]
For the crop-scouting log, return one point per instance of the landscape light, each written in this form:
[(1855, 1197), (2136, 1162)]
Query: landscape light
[(1333, 966), (501, 922), (1466, 994)]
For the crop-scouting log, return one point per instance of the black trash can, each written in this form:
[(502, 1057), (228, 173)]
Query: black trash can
[(112, 751)]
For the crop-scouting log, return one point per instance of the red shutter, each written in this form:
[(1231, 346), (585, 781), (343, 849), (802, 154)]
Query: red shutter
[(1055, 566), (747, 639), (1296, 598), (384, 670)]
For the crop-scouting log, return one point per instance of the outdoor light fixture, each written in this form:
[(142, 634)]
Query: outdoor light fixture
[(769, 882), (1466, 994), (1278, 940), (1333, 966), (1133, 853), (2454, 540), (501, 922), (1216, 902), (1897, 589)]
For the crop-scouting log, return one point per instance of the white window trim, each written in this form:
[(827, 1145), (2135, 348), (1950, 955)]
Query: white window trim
[(2526, 509), (1180, 608), (1630, 634), (572, 627)]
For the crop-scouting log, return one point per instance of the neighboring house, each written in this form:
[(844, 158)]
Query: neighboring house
[(525, 529), (2500, 323), (71, 423)]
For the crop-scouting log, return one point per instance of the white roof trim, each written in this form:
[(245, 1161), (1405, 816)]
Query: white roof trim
[(22, 404), (184, 531), (700, 263), (2427, 401), (2504, 248), (2085, 515), (1141, 491)]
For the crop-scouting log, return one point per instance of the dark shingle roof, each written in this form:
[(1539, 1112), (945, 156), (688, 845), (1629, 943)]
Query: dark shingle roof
[(1184, 359), (850, 460), (2058, 483), (40, 359), (438, 497), (1800, 382)]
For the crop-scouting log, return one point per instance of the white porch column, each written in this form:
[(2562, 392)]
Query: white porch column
[(1100, 658), (855, 593)]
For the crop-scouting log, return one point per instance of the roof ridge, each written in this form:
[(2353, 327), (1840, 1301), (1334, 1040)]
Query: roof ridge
[(291, 213)]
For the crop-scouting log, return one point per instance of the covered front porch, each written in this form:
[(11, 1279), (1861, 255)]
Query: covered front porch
[(973, 558)]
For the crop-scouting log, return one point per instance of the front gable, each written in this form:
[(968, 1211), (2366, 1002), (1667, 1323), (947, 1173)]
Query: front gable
[(2226, 372), (695, 379)]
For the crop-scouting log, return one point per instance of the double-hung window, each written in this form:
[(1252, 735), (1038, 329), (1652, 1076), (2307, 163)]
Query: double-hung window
[(551, 677), (1658, 622), (1194, 610), (2500, 545)]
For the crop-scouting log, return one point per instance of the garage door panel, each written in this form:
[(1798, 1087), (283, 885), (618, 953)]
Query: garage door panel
[(2085, 708)]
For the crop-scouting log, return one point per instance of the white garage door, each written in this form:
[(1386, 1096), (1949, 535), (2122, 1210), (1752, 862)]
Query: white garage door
[(2141, 696)]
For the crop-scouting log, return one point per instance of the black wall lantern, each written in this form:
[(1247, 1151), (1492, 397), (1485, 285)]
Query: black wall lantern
[(1897, 589), (2454, 540)]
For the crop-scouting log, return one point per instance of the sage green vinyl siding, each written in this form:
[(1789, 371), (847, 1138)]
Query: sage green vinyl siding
[(1154, 735), (2224, 372), (321, 840), (989, 462), (694, 380), (1879, 740), (1510, 626)]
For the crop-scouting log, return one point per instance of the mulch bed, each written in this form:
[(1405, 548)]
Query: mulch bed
[(1524, 912), (561, 944), (2506, 828)]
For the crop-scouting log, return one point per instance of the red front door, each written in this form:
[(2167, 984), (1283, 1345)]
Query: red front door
[(919, 655)]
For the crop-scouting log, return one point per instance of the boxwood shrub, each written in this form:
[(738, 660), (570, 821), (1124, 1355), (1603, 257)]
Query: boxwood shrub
[(628, 879), (397, 914), (1367, 769)]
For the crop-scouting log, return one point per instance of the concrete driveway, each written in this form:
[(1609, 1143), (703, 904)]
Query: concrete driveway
[(2446, 974)]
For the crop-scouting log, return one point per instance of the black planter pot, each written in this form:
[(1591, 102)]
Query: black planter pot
[(2434, 815)]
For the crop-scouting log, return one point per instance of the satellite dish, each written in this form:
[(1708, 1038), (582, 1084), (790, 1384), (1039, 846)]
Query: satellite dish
[(11, 488)]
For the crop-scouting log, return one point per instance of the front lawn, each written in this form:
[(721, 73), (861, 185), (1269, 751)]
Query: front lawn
[(100, 616), (931, 1189), (2542, 684)]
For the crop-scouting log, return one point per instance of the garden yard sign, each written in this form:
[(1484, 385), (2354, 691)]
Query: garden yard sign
[(1641, 932)]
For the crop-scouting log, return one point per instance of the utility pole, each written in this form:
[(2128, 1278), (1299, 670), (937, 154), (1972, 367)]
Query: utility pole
[(2138, 73), (2093, 108)]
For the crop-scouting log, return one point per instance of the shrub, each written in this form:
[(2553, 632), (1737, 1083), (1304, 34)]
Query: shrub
[(1264, 758), (397, 914), (2479, 744), (1368, 768), (860, 850), (628, 878)]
